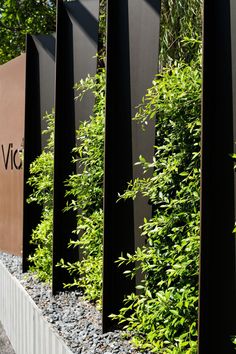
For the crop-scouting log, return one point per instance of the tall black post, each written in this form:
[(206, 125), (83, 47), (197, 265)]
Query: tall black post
[(217, 320), (76, 48), (39, 98), (132, 60)]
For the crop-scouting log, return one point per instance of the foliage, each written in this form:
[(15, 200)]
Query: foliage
[(41, 181), (163, 316), (181, 30), (102, 34), (86, 191), (17, 18)]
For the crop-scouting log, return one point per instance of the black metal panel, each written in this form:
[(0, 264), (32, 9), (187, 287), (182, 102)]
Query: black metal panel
[(233, 56), (217, 321), (45, 45), (132, 57), (144, 21), (77, 38), (39, 98), (83, 15)]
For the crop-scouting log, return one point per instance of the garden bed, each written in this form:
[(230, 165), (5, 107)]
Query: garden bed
[(37, 322)]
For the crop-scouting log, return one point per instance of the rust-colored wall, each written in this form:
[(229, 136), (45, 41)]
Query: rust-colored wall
[(12, 99)]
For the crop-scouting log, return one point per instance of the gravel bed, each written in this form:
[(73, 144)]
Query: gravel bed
[(77, 321), (5, 345)]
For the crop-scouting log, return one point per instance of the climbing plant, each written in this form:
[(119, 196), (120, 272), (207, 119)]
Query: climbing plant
[(85, 189), (41, 182), (162, 316)]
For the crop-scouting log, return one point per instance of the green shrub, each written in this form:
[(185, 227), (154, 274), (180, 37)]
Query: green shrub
[(41, 181), (86, 191), (17, 18), (163, 316)]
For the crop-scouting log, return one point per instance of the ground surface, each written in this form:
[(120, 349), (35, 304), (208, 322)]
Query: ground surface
[(5, 345)]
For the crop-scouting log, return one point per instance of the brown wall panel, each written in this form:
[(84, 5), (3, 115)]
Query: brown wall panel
[(12, 98)]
